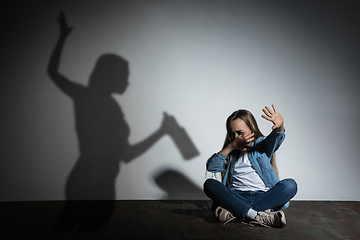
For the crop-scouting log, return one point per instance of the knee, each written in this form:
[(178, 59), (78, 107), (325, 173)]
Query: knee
[(211, 186), (290, 185), (208, 183)]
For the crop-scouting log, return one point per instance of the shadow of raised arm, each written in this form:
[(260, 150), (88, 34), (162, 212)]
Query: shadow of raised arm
[(60, 80)]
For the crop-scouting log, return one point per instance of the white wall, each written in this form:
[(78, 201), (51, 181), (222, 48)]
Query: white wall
[(198, 61)]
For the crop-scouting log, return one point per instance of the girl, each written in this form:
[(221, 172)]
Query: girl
[(250, 188)]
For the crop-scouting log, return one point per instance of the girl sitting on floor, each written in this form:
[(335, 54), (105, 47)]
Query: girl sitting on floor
[(250, 189)]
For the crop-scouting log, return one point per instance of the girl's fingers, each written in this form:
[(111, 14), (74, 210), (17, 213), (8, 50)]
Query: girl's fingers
[(250, 137), (274, 108), (266, 117), (269, 110)]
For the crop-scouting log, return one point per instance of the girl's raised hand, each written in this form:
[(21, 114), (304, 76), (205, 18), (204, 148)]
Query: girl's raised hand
[(274, 117)]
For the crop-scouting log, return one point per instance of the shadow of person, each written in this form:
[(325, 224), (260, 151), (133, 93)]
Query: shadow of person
[(103, 139)]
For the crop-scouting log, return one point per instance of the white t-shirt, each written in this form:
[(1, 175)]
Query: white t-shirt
[(245, 177)]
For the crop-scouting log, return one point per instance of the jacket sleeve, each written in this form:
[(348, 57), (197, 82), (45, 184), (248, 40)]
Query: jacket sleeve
[(217, 162), (271, 143)]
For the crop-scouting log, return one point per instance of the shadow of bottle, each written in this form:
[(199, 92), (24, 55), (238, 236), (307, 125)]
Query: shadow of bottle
[(181, 139)]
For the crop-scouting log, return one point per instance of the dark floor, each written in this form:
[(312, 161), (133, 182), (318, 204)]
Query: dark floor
[(171, 220)]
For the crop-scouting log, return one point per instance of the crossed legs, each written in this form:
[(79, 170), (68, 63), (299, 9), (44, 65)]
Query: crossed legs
[(240, 202)]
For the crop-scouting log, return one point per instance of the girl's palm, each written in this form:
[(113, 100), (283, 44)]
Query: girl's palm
[(273, 116)]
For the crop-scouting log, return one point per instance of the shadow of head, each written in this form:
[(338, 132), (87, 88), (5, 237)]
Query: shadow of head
[(110, 74), (178, 186)]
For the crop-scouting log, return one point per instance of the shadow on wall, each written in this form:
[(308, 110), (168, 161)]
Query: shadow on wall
[(103, 139)]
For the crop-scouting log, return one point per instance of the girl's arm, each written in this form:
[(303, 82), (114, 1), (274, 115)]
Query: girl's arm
[(273, 141), (216, 163)]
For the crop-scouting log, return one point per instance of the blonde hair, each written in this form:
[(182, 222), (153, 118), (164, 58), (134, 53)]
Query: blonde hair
[(250, 121)]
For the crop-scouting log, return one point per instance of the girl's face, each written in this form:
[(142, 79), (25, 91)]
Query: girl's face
[(238, 129)]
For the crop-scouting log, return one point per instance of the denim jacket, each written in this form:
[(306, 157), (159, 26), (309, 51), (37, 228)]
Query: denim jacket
[(260, 153)]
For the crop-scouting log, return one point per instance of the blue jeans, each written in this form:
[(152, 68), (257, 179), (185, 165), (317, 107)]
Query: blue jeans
[(239, 202)]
